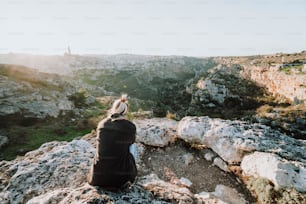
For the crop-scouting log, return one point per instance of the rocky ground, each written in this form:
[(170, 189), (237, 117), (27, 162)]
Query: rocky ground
[(27, 93), (200, 170)]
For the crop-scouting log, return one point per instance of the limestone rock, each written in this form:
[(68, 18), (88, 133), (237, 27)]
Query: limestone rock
[(53, 165), (157, 132), (188, 158), (207, 198), (57, 171), (221, 164), (276, 81), (185, 182), (234, 141), (193, 129), (213, 91), (209, 155), (223, 86), (166, 190), (281, 172), (8, 109), (231, 140), (91, 194), (229, 195)]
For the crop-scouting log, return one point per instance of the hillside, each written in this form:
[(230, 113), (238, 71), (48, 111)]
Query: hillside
[(254, 107)]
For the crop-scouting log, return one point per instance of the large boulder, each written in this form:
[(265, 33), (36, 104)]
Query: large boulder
[(158, 132), (193, 129), (53, 165), (262, 152), (281, 172), (231, 140)]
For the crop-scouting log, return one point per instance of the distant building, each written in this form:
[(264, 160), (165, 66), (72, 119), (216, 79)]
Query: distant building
[(68, 51)]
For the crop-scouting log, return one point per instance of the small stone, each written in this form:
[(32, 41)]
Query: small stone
[(221, 164), (228, 194), (188, 158), (185, 182), (209, 156), (204, 195)]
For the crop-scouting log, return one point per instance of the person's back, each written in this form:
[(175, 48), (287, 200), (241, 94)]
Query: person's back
[(113, 164)]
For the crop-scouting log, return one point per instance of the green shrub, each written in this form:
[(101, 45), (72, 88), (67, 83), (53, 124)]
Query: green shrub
[(79, 98)]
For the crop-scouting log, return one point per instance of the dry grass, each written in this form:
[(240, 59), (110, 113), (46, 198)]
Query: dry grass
[(289, 113)]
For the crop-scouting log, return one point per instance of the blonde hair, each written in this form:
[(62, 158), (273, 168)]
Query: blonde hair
[(120, 106)]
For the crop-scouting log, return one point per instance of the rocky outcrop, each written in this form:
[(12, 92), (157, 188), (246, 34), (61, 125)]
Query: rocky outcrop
[(54, 165), (27, 93), (158, 132), (223, 86), (283, 173), (262, 152), (228, 194), (56, 173), (239, 138), (213, 89), (291, 86)]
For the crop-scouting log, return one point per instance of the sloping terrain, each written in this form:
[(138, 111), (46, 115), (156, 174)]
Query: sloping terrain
[(200, 159), (34, 108), (31, 94)]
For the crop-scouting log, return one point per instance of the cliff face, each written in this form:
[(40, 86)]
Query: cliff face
[(224, 87), (290, 86), (281, 74)]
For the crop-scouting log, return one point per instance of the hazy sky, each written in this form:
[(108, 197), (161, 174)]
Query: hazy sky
[(157, 27)]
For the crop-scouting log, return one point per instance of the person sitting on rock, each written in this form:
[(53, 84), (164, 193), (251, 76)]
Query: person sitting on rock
[(114, 163)]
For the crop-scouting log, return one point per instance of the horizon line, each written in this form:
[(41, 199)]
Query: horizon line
[(141, 54)]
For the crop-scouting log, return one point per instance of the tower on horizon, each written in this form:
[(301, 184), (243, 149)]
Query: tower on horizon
[(68, 50)]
